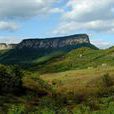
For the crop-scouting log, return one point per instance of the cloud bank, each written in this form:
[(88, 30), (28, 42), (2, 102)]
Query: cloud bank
[(23, 9), (90, 15), (10, 26)]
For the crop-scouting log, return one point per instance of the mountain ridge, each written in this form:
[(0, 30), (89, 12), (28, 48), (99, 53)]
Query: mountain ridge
[(55, 42), (29, 51)]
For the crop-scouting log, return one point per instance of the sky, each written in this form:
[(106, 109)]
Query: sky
[(23, 19)]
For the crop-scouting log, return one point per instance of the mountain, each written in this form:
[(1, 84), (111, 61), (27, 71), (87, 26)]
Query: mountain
[(30, 50), (54, 43), (49, 45), (58, 54)]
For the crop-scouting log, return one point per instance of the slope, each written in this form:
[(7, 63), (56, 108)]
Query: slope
[(79, 59), (35, 56)]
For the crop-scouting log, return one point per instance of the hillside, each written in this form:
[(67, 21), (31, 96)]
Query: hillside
[(58, 54), (73, 80), (35, 51), (59, 60), (79, 59)]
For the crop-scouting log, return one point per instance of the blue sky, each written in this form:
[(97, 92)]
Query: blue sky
[(49, 18)]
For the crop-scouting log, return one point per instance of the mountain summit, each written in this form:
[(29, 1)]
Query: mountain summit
[(30, 50), (58, 42)]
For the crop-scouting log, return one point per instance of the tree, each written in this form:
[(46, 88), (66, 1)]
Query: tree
[(10, 79), (107, 81)]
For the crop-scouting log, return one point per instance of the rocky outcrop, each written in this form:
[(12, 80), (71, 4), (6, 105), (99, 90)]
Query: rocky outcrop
[(4, 46), (11, 46), (53, 43)]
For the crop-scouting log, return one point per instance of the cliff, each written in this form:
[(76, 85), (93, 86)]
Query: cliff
[(30, 50), (58, 42), (4, 46)]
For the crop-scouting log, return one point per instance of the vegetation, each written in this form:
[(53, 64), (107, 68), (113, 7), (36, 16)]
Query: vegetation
[(71, 92), (81, 58), (59, 61), (80, 81), (10, 79)]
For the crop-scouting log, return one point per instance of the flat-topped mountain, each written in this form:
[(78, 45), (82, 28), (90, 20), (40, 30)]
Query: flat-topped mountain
[(58, 42), (30, 50)]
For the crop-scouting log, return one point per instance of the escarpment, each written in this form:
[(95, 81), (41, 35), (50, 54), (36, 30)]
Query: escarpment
[(65, 43), (54, 43), (4, 46), (30, 50)]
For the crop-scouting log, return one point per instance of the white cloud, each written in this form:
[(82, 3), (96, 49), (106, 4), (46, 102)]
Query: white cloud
[(102, 44), (87, 15), (11, 10), (106, 26), (10, 26), (56, 10), (88, 10), (24, 8)]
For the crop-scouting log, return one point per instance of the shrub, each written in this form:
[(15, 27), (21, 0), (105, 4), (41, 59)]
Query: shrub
[(38, 87), (17, 109), (107, 81), (92, 103), (10, 79), (56, 82)]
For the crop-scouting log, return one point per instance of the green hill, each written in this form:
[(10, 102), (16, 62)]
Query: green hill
[(81, 58), (60, 60), (30, 56), (75, 78)]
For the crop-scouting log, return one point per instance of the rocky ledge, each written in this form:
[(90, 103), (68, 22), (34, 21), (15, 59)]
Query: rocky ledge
[(57, 42), (4, 46)]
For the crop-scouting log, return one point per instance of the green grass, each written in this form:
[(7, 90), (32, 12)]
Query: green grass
[(76, 79), (36, 58), (70, 81), (80, 59), (82, 90), (106, 108), (87, 84)]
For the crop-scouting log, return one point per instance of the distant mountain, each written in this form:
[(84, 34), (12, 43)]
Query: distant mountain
[(4, 46), (58, 42), (48, 45), (37, 51)]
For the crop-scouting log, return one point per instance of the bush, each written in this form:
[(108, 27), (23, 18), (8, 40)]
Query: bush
[(92, 103), (10, 79), (17, 109), (107, 81)]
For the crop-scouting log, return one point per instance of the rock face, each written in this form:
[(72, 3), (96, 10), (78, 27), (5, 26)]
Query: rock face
[(4, 46), (12, 46), (53, 43)]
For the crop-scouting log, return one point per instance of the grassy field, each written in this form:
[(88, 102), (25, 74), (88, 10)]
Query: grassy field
[(76, 79), (81, 91), (80, 59), (78, 82), (59, 61), (86, 83)]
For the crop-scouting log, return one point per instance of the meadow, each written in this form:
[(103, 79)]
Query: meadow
[(78, 82), (85, 91)]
